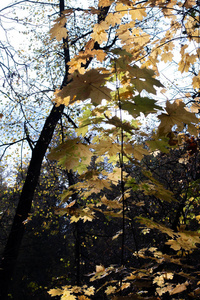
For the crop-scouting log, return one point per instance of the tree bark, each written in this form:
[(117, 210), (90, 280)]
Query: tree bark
[(11, 251), (12, 247)]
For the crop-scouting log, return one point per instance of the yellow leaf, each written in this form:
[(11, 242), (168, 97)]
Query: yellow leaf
[(164, 289), (189, 3), (100, 54), (179, 288), (186, 61), (113, 19), (122, 9), (138, 13), (103, 3), (139, 152), (195, 108), (110, 290), (90, 291), (196, 81), (55, 292), (58, 30), (83, 298), (84, 214), (70, 153), (68, 296), (167, 56), (159, 280), (89, 45), (88, 85), (117, 235), (107, 147), (115, 175), (99, 35), (100, 268), (58, 100), (111, 203), (125, 285), (176, 115)]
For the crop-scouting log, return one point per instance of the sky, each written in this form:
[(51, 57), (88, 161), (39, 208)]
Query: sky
[(168, 76)]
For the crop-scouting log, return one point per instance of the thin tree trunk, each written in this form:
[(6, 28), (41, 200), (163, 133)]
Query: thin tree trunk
[(11, 251)]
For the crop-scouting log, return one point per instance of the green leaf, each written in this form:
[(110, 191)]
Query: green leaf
[(143, 79), (72, 155), (159, 144), (140, 104)]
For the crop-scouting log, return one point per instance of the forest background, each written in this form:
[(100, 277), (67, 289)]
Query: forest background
[(104, 199)]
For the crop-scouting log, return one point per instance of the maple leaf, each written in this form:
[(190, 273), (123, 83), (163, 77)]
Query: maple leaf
[(189, 3), (101, 272), (99, 35), (195, 108), (122, 9), (154, 225), (185, 240), (55, 292), (176, 115), (100, 55), (186, 61), (70, 153), (115, 175), (97, 184), (167, 56), (111, 203), (88, 85), (68, 296), (58, 100), (179, 288), (100, 268), (89, 45), (161, 144), (143, 79), (140, 104), (164, 289), (138, 13), (89, 291), (58, 30), (110, 290), (196, 81), (107, 147), (112, 19), (159, 280), (126, 126), (84, 214)]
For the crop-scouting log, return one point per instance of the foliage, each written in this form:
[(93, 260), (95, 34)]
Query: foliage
[(131, 55), (113, 80)]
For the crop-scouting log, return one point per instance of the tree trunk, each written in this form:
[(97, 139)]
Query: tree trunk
[(11, 251)]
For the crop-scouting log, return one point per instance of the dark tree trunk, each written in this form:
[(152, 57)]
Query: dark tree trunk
[(11, 251), (12, 247)]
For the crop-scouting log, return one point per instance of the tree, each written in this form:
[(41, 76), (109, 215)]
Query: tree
[(14, 240), (120, 39)]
